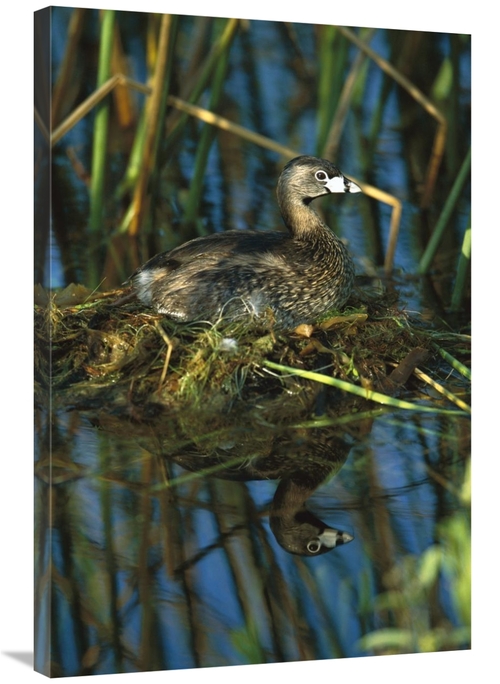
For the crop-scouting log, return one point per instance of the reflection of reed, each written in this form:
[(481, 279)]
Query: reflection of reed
[(148, 577)]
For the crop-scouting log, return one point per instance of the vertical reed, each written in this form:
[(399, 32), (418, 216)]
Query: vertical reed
[(206, 138), (155, 113), (463, 271), (445, 215), (99, 150)]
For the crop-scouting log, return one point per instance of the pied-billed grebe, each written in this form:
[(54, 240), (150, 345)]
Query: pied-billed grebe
[(296, 275)]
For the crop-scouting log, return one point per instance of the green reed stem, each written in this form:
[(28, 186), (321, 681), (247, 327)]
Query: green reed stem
[(356, 74), (206, 139), (377, 119), (369, 395), (220, 47), (167, 75), (462, 270), (155, 180), (332, 58), (134, 163), (155, 110), (99, 148), (454, 363), (448, 208)]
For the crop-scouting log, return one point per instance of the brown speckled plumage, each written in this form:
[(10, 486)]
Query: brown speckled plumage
[(296, 275)]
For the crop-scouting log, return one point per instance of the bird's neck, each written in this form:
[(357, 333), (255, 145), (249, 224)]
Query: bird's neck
[(304, 223), (301, 219)]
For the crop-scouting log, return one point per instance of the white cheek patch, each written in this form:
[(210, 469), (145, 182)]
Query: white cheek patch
[(341, 184), (336, 184)]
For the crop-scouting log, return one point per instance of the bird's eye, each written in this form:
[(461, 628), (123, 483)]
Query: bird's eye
[(321, 176), (314, 545)]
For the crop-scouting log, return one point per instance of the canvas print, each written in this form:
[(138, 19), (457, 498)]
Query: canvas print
[(252, 341)]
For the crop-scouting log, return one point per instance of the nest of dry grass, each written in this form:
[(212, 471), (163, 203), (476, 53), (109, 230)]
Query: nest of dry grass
[(91, 352)]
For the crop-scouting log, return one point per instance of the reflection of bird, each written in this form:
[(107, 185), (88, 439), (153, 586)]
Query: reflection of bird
[(296, 276), (296, 529), (300, 467)]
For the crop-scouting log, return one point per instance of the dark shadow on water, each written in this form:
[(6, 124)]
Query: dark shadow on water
[(24, 657)]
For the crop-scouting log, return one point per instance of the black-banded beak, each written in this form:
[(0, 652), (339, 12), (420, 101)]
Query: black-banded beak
[(333, 538), (351, 186), (328, 539)]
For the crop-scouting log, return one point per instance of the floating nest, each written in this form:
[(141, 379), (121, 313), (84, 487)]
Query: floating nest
[(91, 351)]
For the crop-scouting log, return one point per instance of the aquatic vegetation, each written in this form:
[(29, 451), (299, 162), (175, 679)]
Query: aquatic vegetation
[(133, 360)]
